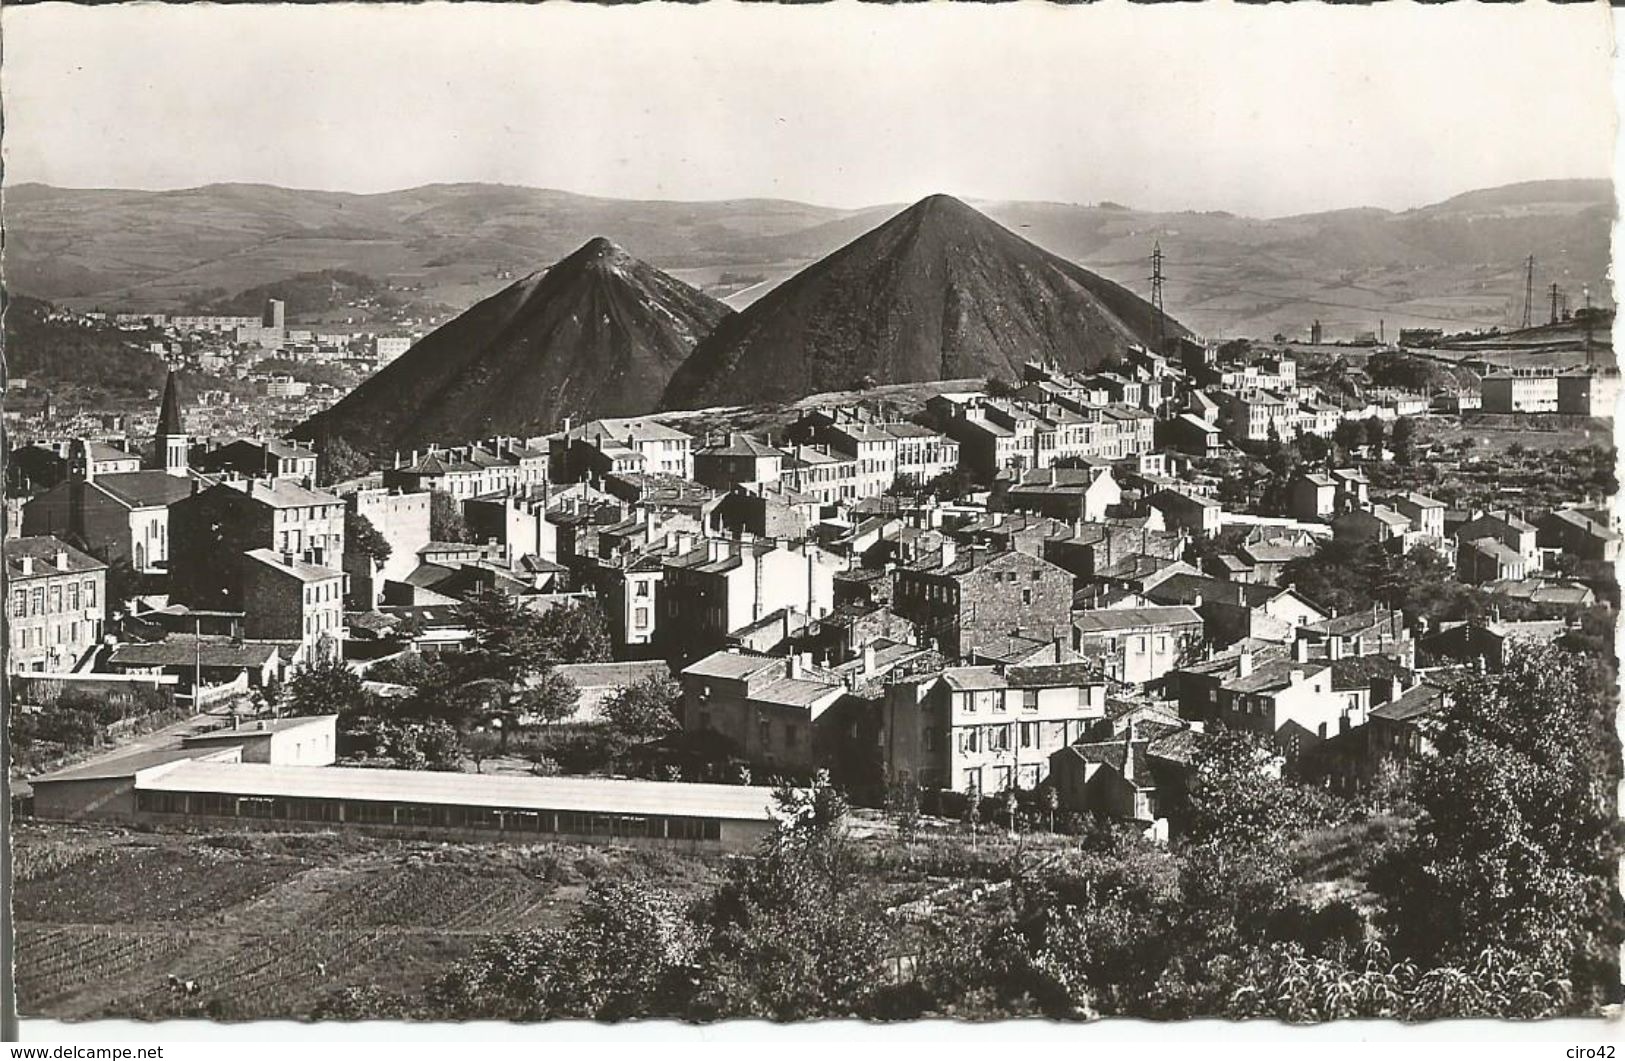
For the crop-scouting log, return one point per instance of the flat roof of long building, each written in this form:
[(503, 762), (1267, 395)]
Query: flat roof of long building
[(591, 795)]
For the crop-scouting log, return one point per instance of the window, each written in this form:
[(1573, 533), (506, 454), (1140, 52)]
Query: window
[(1029, 699), (643, 589), (73, 596), (19, 603), (90, 594), (764, 732), (1029, 734), (1026, 596), (56, 598)]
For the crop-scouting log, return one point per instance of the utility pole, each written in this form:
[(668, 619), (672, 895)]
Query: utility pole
[(1554, 303), (1528, 289), (1156, 293), (1588, 324)]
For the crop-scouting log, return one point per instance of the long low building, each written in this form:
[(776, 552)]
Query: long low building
[(215, 788)]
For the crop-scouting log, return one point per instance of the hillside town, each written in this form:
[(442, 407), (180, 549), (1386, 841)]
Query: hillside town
[(530, 517), (996, 595)]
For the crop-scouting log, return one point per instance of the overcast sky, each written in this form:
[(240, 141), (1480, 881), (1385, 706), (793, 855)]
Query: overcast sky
[(1262, 110)]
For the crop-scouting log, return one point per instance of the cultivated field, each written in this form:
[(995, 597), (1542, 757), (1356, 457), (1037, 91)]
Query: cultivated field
[(265, 925)]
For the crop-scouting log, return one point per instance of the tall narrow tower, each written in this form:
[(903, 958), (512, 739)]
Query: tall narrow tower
[(170, 451), (1555, 293), (1156, 294), (1528, 290)]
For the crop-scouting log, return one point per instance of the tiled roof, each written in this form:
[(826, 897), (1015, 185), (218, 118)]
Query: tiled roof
[(298, 568), (1110, 620), (144, 489), (184, 650), (44, 550), (733, 665)]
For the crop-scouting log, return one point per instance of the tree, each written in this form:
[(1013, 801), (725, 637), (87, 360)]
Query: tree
[(325, 687), (644, 711), (789, 935), (1518, 845), (627, 952), (575, 633), (903, 808), (481, 745), (548, 697), (1349, 435), (361, 538), (337, 461), (1375, 430), (446, 518), (1236, 798), (442, 749), (1404, 440)]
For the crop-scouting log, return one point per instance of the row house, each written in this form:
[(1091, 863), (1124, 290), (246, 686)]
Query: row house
[(288, 599), (1138, 771), (785, 713), (986, 729), (1507, 528), (1376, 524), (260, 458), (819, 471), (1095, 547), (1584, 534), (600, 447), (57, 596), (1364, 633), (1184, 512), (888, 445), (958, 598), (215, 527), (1233, 611), (1138, 645), (1065, 493), (1487, 559), (718, 586), (402, 520), (1253, 415), (737, 460), (1394, 736)]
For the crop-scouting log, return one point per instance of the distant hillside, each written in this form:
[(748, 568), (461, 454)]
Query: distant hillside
[(937, 292), (598, 334), (1456, 264), (61, 353)]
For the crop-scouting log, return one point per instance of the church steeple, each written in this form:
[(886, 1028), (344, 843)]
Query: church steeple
[(170, 451)]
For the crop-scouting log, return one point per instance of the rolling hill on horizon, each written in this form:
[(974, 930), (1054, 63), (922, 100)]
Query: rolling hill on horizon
[(1456, 263), (939, 291)]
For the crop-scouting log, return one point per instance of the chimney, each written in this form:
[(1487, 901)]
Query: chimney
[(1296, 676), (792, 666), (1396, 688), (61, 559), (949, 551), (26, 563), (287, 557), (869, 659), (1300, 650), (1244, 664), (261, 725), (1128, 752), (1334, 648)]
